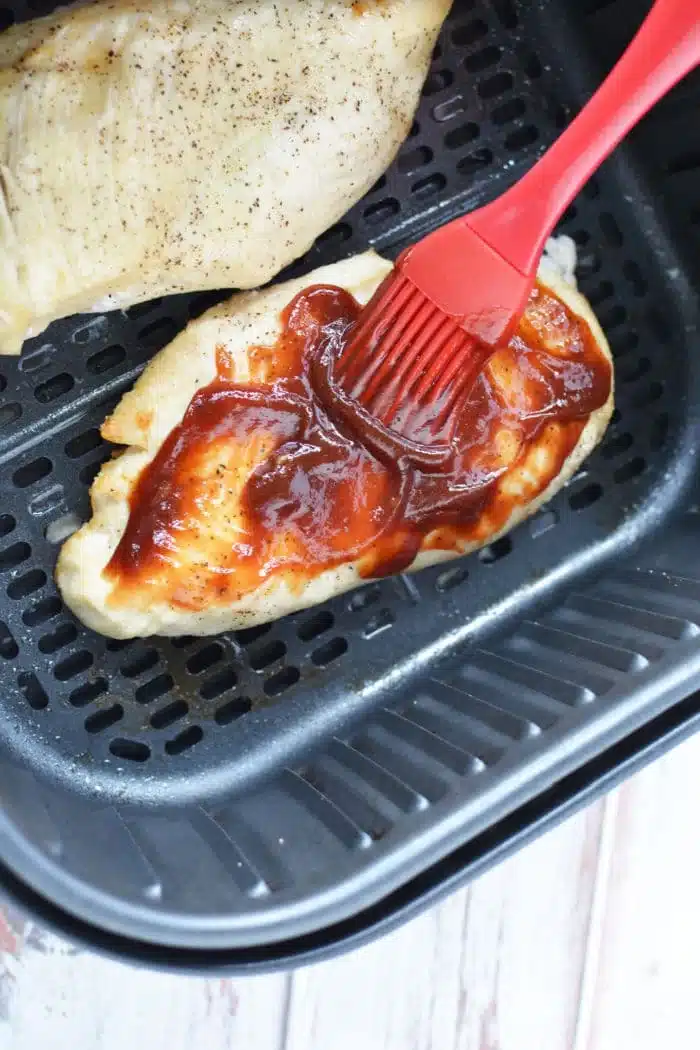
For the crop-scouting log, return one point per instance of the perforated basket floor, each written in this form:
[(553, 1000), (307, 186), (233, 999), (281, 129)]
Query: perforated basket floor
[(389, 725)]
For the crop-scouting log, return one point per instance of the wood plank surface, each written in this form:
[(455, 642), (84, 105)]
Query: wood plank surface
[(495, 967), (646, 987), (586, 940)]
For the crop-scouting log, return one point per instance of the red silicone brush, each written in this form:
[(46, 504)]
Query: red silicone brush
[(457, 294)]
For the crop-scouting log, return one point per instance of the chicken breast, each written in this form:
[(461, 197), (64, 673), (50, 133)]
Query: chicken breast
[(227, 508), (156, 146)]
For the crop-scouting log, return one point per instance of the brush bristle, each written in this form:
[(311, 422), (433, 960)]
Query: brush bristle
[(408, 364)]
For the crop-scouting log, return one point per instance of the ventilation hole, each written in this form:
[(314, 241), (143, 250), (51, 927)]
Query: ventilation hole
[(531, 65), (589, 264), (496, 551), (85, 694), (73, 665), (7, 524), (282, 681), (484, 59), (633, 370), (37, 360), (62, 527), (428, 187), (521, 138), (168, 715), (495, 85), (54, 388), (205, 658), (9, 414), (569, 215), (183, 642), (659, 325), (115, 645), (316, 625), (158, 333), (47, 500), (543, 522), (604, 290), (634, 275), (131, 750), (83, 443), (149, 691), (630, 470), (648, 396), (415, 130), (251, 634), (184, 741), (379, 185), (220, 683), (105, 360), (473, 162), (100, 720), (8, 646), (328, 653), (143, 309), (610, 230), (586, 496), (615, 417), (13, 556), (34, 692), (32, 472), (42, 611), (378, 623), (232, 709), (471, 33), (513, 109), (3, 382), (658, 433), (337, 235), (462, 136), (89, 473), (91, 331), (437, 80), (267, 655), (382, 211), (141, 663), (62, 636), (449, 109), (29, 583), (616, 447), (6, 18), (617, 315), (592, 189), (506, 13), (364, 598), (447, 581), (410, 162), (622, 342), (582, 237), (689, 161), (203, 301)]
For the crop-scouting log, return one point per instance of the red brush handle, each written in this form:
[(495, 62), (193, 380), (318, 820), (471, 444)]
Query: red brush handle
[(666, 47)]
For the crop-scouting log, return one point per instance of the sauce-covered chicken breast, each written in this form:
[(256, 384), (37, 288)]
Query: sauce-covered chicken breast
[(157, 146), (241, 496)]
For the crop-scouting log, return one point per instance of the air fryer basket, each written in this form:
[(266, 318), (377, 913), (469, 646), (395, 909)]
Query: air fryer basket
[(228, 800)]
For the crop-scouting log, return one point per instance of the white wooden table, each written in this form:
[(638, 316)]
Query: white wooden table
[(589, 939)]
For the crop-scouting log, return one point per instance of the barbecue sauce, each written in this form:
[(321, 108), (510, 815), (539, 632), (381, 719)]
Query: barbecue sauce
[(270, 478)]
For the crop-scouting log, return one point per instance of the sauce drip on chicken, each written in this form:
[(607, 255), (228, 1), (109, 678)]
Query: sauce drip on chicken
[(266, 478)]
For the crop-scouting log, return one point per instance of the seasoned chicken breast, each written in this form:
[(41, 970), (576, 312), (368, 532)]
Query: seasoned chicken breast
[(239, 499), (158, 146)]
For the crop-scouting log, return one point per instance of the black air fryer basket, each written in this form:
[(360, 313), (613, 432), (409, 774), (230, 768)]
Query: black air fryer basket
[(266, 796)]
